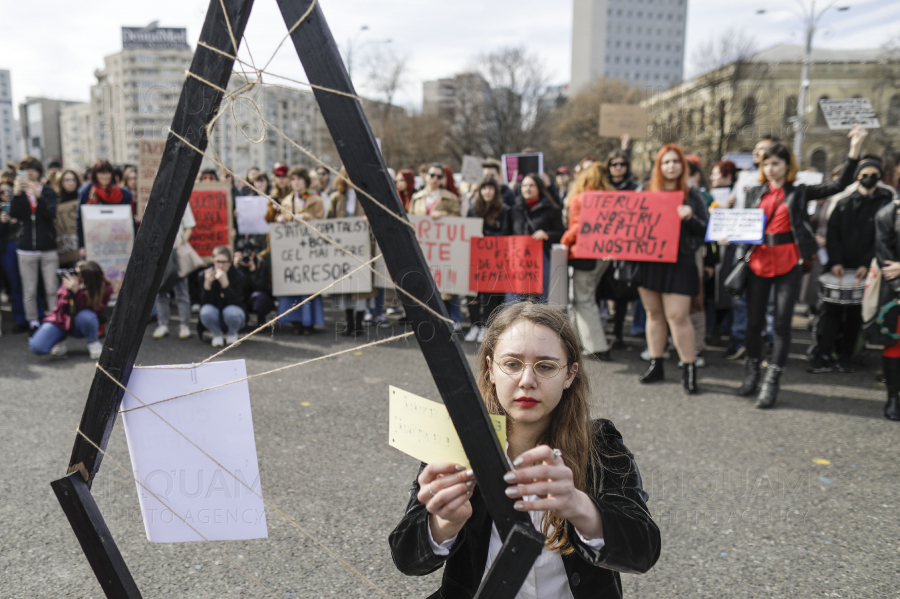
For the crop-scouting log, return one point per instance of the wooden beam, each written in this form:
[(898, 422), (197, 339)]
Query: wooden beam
[(356, 145), (96, 541), (521, 548), (155, 239)]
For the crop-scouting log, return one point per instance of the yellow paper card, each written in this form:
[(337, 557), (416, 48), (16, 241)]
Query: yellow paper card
[(422, 429)]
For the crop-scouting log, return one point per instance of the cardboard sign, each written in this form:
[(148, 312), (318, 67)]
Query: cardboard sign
[(845, 114), (303, 263), (617, 120), (520, 165), (173, 474), (745, 225), (642, 226), (109, 239), (471, 169), (445, 243), (422, 429), (211, 204), (251, 215), (507, 264), (149, 155), (66, 233)]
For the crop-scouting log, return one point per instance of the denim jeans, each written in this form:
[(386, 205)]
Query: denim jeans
[(232, 318), (86, 326), (739, 318)]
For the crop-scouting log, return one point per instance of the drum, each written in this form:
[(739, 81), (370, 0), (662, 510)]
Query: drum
[(847, 290)]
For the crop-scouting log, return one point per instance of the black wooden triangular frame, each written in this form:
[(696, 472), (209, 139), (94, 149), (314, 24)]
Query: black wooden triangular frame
[(198, 104)]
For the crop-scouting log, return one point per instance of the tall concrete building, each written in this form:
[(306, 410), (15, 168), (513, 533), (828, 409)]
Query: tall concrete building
[(39, 121), (9, 132), (137, 91), (79, 134), (639, 41)]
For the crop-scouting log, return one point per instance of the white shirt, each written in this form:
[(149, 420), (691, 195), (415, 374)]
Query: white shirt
[(351, 202), (547, 578), (187, 222)]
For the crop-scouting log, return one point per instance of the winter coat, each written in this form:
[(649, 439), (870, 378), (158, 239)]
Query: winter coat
[(37, 230)]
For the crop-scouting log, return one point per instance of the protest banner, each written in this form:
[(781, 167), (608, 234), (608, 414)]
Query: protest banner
[(211, 205), (845, 114), (66, 233), (744, 225), (303, 262), (251, 212), (617, 120), (381, 268), (422, 428), (520, 165), (471, 169), (108, 239), (642, 226), (506, 264), (149, 154), (445, 243)]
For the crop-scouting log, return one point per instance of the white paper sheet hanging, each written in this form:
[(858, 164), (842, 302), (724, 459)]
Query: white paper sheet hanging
[(207, 496)]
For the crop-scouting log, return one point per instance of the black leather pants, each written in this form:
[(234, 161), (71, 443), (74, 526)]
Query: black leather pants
[(787, 289)]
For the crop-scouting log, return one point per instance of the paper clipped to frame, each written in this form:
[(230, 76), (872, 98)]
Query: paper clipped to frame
[(422, 429)]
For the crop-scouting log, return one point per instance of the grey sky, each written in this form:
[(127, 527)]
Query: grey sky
[(53, 48)]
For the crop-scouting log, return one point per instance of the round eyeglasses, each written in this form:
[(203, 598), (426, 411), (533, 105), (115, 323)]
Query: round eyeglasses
[(546, 369)]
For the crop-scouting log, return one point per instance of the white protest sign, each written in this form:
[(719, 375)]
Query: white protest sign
[(471, 169), (108, 239), (179, 482), (720, 195), (737, 226), (445, 243), (385, 280), (748, 179), (303, 262), (251, 215), (845, 114)]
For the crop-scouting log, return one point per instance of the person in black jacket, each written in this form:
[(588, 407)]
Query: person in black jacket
[(494, 212), (490, 168), (34, 207), (535, 213), (887, 250), (255, 269), (850, 243), (222, 298), (777, 262), (667, 289), (574, 477), (618, 163)]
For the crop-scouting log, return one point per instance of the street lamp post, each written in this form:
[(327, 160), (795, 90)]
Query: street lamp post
[(810, 20), (351, 46)]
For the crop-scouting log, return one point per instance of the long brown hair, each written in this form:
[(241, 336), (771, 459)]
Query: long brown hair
[(656, 177), (570, 428), (493, 210), (94, 282), (593, 178)]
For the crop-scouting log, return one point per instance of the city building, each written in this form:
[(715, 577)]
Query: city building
[(39, 122), (9, 131), (727, 110), (639, 41), (78, 134)]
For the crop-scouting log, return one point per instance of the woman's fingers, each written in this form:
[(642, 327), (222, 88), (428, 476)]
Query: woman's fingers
[(540, 488)]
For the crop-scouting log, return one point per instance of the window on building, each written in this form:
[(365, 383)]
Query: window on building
[(790, 109), (893, 114), (819, 160), (748, 111), (820, 116)]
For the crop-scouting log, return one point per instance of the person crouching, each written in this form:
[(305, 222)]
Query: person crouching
[(222, 298)]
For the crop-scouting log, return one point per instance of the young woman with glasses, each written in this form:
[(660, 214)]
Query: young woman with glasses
[(573, 475)]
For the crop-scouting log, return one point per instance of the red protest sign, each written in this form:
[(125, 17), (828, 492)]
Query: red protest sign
[(508, 264), (211, 205), (642, 226)]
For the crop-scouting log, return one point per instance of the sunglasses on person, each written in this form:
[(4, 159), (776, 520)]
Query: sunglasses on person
[(436, 175), (622, 164)]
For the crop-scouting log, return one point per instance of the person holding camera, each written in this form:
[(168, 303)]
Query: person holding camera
[(222, 298), (256, 271), (34, 207), (80, 302)]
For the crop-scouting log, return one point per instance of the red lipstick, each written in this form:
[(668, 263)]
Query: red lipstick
[(527, 402)]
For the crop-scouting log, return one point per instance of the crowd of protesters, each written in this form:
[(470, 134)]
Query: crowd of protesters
[(833, 228)]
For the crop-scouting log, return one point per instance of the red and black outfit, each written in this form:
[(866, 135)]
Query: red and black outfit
[(776, 264)]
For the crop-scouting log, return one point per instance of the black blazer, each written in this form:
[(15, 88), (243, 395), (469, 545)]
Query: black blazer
[(796, 198), (632, 539), (545, 216)]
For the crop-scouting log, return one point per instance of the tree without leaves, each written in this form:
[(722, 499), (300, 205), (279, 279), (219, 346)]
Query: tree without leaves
[(386, 75)]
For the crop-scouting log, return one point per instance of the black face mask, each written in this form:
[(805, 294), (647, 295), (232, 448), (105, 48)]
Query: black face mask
[(869, 181)]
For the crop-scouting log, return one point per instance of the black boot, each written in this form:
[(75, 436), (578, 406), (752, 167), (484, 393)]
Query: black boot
[(769, 392), (689, 378), (751, 378), (892, 380), (656, 371), (358, 322), (348, 315)]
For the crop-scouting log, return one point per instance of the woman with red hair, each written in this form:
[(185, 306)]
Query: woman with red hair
[(406, 186), (449, 181), (666, 289)]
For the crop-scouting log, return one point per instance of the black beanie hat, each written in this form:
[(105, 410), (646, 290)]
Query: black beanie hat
[(866, 163)]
